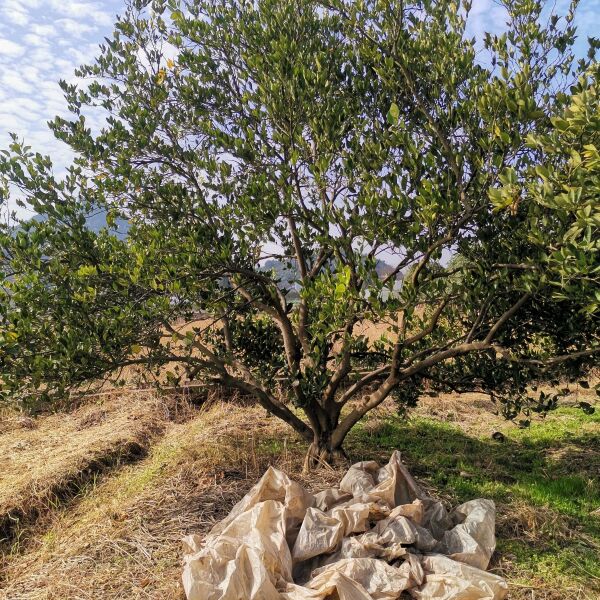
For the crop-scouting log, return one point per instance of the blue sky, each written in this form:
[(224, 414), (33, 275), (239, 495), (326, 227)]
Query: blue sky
[(42, 41)]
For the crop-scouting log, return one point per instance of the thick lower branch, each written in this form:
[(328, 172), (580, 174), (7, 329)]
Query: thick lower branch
[(370, 402), (290, 343), (378, 396), (270, 403), (363, 382)]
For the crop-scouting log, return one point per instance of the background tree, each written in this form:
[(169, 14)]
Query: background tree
[(327, 136)]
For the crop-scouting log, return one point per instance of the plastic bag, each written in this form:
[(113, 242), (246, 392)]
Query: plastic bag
[(372, 538)]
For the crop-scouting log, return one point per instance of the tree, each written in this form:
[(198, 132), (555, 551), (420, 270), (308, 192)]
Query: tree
[(327, 135)]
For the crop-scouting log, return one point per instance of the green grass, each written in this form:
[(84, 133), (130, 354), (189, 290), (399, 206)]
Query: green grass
[(544, 480)]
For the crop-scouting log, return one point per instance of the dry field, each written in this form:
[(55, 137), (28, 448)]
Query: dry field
[(105, 493)]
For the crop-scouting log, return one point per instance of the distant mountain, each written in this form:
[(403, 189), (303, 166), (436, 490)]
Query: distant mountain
[(287, 273), (97, 221), (383, 269)]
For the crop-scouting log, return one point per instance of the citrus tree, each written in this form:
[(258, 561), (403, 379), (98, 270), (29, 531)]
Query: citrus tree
[(326, 136)]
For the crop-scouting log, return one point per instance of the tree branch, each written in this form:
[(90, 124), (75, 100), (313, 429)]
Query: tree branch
[(270, 403), (506, 316), (543, 363), (429, 329)]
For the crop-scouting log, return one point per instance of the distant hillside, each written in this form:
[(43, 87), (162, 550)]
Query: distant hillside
[(96, 221), (384, 269)]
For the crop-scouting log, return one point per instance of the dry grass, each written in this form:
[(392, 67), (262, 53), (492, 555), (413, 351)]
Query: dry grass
[(48, 459), (123, 540)]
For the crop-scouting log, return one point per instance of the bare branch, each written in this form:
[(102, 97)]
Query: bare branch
[(376, 398), (432, 324), (364, 381), (544, 363), (506, 316)]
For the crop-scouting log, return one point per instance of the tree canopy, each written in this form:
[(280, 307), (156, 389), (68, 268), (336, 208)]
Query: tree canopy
[(328, 135)]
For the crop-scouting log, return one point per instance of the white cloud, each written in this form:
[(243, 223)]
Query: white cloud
[(25, 108), (10, 49), (15, 12), (74, 28), (25, 3), (83, 10), (30, 73), (17, 17), (10, 122), (43, 30), (41, 42), (32, 39), (486, 17), (15, 83)]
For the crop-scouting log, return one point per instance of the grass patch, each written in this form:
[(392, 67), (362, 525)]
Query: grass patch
[(543, 479), (123, 539), (52, 461)]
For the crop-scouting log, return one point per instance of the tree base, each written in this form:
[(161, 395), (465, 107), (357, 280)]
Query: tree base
[(319, 456)]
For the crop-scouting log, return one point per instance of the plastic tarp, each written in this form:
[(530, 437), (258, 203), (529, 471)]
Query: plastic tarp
[(377, 536)]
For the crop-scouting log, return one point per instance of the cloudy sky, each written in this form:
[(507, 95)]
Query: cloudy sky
[(42, 41)]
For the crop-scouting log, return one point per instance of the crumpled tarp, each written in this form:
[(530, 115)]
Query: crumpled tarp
[(376, 537)]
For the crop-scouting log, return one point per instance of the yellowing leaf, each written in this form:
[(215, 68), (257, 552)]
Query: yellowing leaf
[(393, 114)]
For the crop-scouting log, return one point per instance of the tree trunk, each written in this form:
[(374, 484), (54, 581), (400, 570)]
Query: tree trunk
[(322, 452)]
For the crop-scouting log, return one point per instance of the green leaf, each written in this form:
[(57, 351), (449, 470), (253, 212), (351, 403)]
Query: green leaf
[(87, 271), (266, 188), (393, 114)]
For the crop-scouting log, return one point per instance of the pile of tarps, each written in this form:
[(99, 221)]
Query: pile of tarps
[(376, 537)]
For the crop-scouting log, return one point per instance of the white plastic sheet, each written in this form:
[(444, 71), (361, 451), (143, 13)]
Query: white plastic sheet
[(375, 537)]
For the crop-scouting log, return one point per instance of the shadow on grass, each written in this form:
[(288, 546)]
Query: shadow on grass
[(544, 480), (565, 467)]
